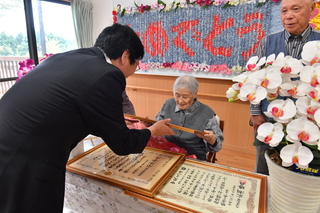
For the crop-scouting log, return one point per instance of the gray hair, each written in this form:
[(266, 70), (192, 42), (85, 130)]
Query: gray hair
[(186, 82)]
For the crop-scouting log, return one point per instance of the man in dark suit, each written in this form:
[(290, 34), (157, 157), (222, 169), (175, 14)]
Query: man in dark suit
[(47, 112)]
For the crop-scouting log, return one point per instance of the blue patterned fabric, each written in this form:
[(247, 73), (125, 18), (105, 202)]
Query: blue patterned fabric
[(234, 32)]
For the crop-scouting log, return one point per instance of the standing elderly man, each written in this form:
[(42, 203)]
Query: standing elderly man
[(46, 113), (295, 15)]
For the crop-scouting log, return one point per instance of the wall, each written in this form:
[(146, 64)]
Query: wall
[(102, 12), (102, 15), (148, 92)]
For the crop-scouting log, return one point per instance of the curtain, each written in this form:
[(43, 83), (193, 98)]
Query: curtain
[(82, 21)]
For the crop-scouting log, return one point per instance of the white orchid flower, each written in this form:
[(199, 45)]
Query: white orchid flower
[(303, 89), (270, 59), (311, 74), (268, 78), (288, 65), (251, 92), (237, 86), (242, 78), (296, 154), (280, 56), (281, 110), (311, 53), (232, 94), (302, 129), (307, 107), (272, 95), (294, 89), (314, 93), (317, 118), (289, 88), (254, 63), (271, 134)]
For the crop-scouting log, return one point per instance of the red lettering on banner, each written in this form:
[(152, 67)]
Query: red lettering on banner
[(217, 30), (253, 27), (182, 28), (250, 51), (155, 39), (256, 15)]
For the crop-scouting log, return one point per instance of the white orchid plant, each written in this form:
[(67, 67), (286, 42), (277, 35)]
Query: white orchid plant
[(292, 87)]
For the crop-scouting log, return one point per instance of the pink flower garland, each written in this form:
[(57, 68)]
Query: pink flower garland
[(188, 67)]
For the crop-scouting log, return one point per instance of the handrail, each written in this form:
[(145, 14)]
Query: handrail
[(134, 88), (7, 79)]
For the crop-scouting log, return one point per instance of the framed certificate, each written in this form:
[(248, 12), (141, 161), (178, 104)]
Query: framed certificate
[(143, 173), (203, 187)]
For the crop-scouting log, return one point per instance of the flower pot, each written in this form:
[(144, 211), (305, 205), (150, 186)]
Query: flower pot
[(291, 191)]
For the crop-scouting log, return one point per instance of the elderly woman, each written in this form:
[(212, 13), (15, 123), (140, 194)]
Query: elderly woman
[(185, 110)]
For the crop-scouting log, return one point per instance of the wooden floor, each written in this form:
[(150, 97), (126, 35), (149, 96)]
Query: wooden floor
[(236, 160)]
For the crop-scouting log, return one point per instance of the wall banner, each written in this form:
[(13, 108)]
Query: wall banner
[(202, 39)]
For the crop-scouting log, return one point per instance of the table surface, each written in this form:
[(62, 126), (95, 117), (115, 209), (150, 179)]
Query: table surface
[(86, 195)]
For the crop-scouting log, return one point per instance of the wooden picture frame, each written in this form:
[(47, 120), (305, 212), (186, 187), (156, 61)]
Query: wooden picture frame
[(143, 173), (249, 190)]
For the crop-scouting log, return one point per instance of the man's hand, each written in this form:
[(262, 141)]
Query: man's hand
[(160, 128), (257, 120)]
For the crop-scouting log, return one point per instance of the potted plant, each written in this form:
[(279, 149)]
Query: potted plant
[(292, 89)]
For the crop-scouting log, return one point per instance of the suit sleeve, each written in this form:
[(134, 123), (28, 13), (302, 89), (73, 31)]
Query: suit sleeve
[(101, 108)]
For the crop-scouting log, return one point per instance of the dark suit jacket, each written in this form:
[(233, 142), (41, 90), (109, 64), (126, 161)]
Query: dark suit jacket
[(43, 117)]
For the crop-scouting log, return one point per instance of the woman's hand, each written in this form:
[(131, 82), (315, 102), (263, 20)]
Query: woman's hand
[(209, 137), (148, 124)]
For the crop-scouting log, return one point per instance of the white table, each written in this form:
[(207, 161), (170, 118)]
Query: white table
[(86, 195)]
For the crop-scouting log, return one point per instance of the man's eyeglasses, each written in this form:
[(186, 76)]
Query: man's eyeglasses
[(138, 62)]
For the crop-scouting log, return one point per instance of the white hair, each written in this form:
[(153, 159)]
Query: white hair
[(186, 81)]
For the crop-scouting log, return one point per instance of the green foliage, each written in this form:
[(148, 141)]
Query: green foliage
[(13, 46), (18, 45), (315, 163)]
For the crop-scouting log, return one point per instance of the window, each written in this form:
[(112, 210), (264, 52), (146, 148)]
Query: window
[(13, 33), (31, 29), (53, 27)]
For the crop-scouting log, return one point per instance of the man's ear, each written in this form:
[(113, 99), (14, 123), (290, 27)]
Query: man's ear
[(125, 56), (313, 6)]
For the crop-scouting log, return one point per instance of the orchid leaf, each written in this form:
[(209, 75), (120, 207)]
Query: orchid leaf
[(161, 2), (226, 5), (164, 5), (177, 7), (315, 163), (190, 2), (122, 12)]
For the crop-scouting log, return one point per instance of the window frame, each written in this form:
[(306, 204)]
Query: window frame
[(31, 35)]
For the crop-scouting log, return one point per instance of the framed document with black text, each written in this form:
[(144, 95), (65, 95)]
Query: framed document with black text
[(143, 173), (205, 187)]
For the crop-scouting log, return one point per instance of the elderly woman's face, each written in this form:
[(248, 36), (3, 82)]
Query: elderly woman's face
[(183, 97)]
